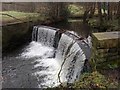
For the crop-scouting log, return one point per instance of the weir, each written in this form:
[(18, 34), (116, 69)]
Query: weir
[(70, 54)]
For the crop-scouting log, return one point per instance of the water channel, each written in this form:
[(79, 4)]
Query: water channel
[(30, 66)]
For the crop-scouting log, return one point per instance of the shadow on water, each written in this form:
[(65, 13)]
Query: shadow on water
[(75, 25), (17, 72)]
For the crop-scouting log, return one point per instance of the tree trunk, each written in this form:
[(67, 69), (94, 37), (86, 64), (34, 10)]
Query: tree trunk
[(118, 13), (92, 11), (118, 10), (100, 13), (109, 11), (85, 16), (87, 10)]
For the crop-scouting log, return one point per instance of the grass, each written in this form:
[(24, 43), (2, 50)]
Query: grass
[(94, 80), (77, 10), (20, 15), (91, 81), (102, 76), (74, 20)]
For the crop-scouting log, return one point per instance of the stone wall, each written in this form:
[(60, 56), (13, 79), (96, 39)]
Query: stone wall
[(15, 34), (106, 46)]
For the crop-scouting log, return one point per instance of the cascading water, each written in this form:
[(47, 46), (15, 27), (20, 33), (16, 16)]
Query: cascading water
[(43, 35), (69, 58)]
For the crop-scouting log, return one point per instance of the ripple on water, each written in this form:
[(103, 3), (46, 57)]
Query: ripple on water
[(45, 68)]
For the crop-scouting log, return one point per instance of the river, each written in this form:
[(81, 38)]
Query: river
[(29, 65)]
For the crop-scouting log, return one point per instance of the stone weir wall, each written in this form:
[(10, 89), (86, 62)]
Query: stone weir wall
[(15, 34), (106, 46)]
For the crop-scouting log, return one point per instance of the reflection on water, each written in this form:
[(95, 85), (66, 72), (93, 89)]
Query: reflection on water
[(75, 25)]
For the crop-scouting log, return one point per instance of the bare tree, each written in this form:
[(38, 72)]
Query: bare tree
[(109, 11), (89, 11), (100, 13), (118, 9)]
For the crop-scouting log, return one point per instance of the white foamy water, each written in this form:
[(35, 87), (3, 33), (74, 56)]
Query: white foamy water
[(69, 49), (51, 80), (70, 55), (35, 49), (53, 65)]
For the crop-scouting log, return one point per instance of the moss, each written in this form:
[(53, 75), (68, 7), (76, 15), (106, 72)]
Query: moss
[(113, 64), (94, 80)]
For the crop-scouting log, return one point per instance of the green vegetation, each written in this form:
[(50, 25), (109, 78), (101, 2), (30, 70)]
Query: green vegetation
[(108, 25), (75, 10), (99, 20), (94, 80), (108, 65), (15, 16)]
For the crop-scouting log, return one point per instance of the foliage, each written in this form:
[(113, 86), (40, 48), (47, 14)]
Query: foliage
[(75, 10), (107, 25), (98, 63), (108, 65), (94, 80), (112, 66), (20, 15)]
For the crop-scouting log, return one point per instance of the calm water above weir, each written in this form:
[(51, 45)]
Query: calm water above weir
[(74, 25), (31, 66)]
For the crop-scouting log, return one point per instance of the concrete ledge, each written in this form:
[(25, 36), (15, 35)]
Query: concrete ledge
[(15, 34), (106, 39), (19, 32), (106, 46)]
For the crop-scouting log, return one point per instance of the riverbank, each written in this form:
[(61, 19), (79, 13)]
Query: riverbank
[(17, 27), (95, 78)]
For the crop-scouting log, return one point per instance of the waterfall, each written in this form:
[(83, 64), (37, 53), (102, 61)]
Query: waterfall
[(43, 35), (70, 53)]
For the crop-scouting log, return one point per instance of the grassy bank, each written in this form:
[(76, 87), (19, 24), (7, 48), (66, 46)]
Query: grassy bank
[(15, 16)]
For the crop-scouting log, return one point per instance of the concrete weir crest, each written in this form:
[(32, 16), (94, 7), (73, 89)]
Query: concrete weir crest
[(69, 51)]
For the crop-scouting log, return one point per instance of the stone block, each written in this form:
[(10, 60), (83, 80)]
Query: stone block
[(106, 46), (106, 39)]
